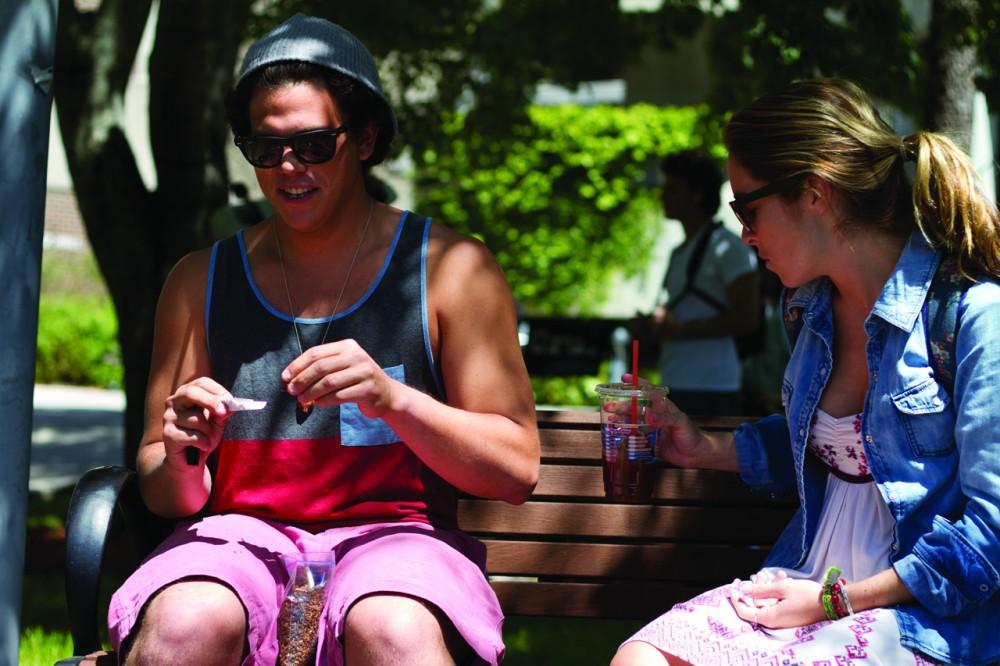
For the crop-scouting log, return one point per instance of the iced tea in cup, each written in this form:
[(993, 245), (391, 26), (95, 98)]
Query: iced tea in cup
[(628, 442)]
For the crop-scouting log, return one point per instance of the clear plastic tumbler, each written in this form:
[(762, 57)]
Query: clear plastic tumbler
[(628, 442)]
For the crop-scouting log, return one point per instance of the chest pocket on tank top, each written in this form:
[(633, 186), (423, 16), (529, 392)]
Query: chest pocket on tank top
[(356, 429)]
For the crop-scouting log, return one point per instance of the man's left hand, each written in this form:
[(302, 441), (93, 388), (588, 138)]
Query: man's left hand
[(339, 372)]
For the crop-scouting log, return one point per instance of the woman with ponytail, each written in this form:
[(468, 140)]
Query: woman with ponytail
[(891, 436)]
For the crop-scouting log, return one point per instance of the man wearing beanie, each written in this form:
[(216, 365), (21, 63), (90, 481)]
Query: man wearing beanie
[(328, 380)]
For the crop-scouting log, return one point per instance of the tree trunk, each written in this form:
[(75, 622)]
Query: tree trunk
[(138, 235), (951, 70)]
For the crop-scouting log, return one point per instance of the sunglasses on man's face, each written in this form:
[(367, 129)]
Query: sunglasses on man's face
[(312, 147), (740, 201)]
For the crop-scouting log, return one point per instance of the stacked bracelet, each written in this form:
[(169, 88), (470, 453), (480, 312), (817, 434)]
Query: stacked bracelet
[(833, 595)]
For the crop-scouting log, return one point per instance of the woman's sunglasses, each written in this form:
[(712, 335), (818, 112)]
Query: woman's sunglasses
[(312, 147), (740, 201)]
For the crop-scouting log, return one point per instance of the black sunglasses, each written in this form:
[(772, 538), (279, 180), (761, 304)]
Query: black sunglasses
[(740, 201), (312, 147)]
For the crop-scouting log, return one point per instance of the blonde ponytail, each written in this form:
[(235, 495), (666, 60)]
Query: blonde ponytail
[(951, 209)]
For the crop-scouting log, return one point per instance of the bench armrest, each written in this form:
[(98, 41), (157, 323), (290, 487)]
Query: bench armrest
[(104, 499)]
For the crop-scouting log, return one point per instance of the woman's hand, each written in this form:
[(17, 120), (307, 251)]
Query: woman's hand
[(194, 417), (339, 372), (777, 602), (681, 443)]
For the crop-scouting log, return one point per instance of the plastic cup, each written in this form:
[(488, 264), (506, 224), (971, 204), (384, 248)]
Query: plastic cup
[(305, 596), (628, 442)]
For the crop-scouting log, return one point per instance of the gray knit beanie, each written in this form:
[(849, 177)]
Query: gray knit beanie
[(320, 42)]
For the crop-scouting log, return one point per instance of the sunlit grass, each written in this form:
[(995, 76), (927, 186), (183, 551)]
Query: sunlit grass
[(45, 637), (41, 647)]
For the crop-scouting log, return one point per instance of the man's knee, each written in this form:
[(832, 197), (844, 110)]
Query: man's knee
[(205, 614), (398, 625)]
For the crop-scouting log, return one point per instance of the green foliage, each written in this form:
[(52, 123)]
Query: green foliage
[(43, 648), (71, 272), (487, 55), (985, 29), (573, 391), (43, 602), (45, 636), (77, 341), (77, 325), (765, 44), (566, 200), (578, 390)]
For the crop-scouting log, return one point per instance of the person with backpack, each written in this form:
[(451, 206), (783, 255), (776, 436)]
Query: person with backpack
[(712, 288), (890, 254)]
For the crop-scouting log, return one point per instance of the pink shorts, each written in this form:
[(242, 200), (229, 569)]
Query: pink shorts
[(445, 568)]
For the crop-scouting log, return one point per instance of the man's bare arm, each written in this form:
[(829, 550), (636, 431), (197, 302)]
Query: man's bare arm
[(485, 440), (169, 485)]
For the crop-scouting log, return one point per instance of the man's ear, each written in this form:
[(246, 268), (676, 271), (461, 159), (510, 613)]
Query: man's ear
[(366, 141)]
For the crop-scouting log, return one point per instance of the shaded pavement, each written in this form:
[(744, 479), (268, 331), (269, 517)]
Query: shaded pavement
[(73, 429)]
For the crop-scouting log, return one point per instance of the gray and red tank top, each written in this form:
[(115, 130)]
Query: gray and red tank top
[(333, 466)]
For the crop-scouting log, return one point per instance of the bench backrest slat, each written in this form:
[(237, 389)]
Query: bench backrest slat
[(672, 485), (740, 525), (569, 551)]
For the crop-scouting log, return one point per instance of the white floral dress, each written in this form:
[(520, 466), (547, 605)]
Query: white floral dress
[(854, 533)]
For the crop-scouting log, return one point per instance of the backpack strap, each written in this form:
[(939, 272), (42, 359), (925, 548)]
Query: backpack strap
[(693, 267), (940, 314), (791, 317), (941, 317)]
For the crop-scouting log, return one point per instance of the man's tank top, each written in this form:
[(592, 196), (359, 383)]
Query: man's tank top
[(333, 466)]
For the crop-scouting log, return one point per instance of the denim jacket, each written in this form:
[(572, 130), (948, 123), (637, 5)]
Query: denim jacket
[(934, 456)]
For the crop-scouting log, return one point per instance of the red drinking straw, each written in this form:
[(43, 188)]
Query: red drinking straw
[(635, 380)]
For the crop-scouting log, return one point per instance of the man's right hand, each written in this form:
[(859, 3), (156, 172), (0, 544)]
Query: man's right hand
[(194, 418)]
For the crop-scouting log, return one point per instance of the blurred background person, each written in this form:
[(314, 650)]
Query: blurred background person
[(712, 293)]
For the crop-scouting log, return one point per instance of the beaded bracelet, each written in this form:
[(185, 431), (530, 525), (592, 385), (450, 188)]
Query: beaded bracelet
[(833, 595), (826, 592), (843, 595)]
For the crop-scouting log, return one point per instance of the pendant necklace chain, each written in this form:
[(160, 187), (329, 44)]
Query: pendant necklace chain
[(343, 288)]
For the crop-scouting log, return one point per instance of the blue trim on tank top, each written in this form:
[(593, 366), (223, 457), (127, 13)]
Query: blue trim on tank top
[(423, 309), (321, 320), (208, 295)]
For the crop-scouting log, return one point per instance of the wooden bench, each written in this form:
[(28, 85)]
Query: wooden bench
[(567, 552), (570, 552)]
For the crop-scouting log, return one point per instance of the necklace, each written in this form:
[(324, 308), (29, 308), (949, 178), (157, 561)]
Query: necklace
[(336, 305)]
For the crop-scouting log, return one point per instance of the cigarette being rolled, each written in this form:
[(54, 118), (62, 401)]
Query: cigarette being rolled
[(243, 404)]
